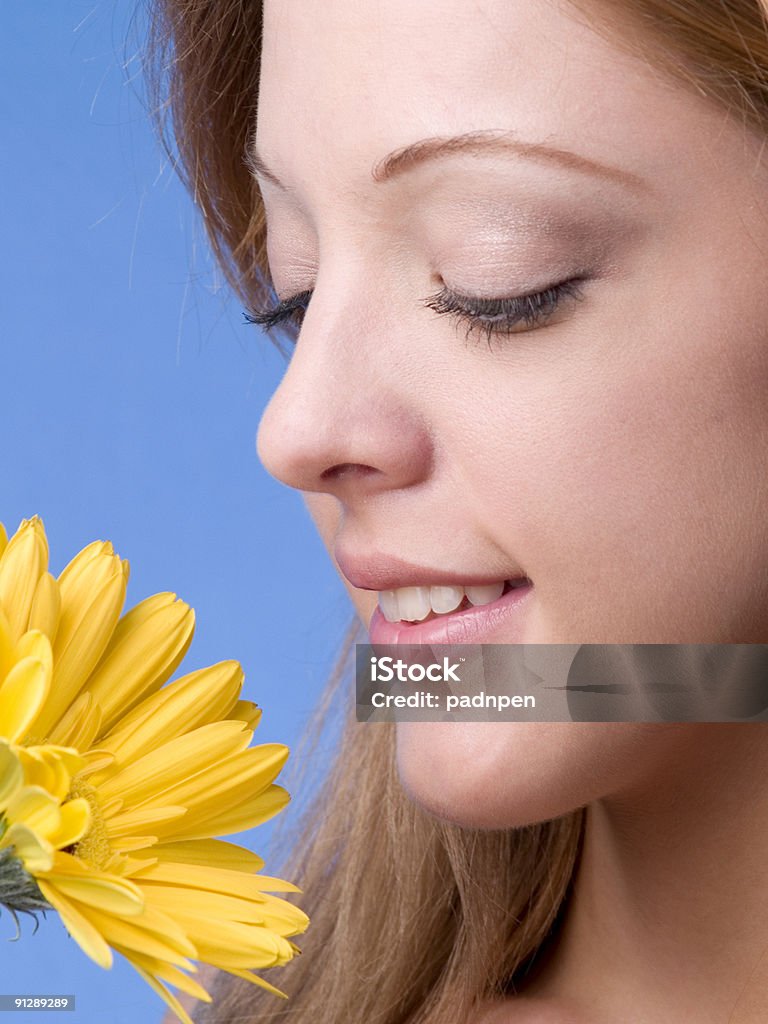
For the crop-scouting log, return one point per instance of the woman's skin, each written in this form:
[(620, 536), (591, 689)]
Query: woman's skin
[(617, 452)]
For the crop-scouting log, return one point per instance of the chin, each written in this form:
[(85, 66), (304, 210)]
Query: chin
[(499, 775)]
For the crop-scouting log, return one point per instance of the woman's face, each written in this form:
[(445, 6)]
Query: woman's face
[(612, 445)]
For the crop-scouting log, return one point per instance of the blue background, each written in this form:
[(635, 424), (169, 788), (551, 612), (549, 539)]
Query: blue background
[(131, 394)]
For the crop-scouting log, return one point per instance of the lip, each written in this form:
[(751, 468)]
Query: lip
[(377, 571), (501, 621)]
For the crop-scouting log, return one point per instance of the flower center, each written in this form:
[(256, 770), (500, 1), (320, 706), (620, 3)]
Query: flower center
[(94, 847)]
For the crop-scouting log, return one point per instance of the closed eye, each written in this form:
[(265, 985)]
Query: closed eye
[(281, 311), (510, 315), (496, 316)]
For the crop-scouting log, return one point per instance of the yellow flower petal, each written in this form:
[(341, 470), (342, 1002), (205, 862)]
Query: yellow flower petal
[(283, 917), (203, 822), (30, 847), (3, 539), (196, 699), (220, 776), (6, 646), (11, 774), (24, 560), (160, 771), (229, 943), (50, 767), (151, 932), (250, 976), (21, 697), (202, 903), (75, 820), (275, 914), (193, 909), (213, 853), (83, 634), (195, 876), (49, 773), (96, 760), (161, 990), (76, 579), (109, 894), (85, 934), (140, 819), (133, 863), (147, 647), (166, 972), (67, 865), (130, 843), (111, 807), (246, 711), (34, 807), (268, 883), (89, 570), (34, 644), (79, 725), (46, 606)]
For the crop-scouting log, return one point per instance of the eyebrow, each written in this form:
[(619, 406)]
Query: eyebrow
[(476, 143)]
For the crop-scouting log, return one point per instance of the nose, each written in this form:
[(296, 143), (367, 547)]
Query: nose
[(343, 420)]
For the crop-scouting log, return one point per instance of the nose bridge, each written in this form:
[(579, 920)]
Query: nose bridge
[(343, 419)]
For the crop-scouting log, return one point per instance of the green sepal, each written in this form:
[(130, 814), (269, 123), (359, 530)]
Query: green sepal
[(19, 892)]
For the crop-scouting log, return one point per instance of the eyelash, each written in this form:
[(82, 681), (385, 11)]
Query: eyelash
[(492, 316), (500, 316)]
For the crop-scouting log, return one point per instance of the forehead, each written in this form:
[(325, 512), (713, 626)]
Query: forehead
[(344, 82)]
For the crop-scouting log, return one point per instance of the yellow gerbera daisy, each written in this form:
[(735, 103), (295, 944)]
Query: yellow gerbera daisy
[(112, 785)]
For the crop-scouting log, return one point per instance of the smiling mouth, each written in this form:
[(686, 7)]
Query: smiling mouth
[(422, 604)]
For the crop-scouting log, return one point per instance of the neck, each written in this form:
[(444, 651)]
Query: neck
[(668, 919)]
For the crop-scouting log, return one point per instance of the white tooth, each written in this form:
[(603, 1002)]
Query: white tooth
[(414, 603), (445, 599), (389, 605), (485, 594)]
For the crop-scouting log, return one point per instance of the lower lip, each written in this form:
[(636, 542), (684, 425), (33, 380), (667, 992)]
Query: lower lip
[(501, 621)]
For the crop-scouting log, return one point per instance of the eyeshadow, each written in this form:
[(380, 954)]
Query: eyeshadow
[(520, 250)]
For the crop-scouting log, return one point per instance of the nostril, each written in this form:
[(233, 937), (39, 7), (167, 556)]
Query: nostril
[(345, 469)]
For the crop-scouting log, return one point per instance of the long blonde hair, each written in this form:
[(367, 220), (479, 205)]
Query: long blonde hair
[(413, 920)]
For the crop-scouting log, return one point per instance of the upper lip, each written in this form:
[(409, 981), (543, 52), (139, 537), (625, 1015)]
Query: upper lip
[(376, 571)]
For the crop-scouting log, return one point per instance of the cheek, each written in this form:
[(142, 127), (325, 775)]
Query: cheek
[(635, 501), (506, 775)]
